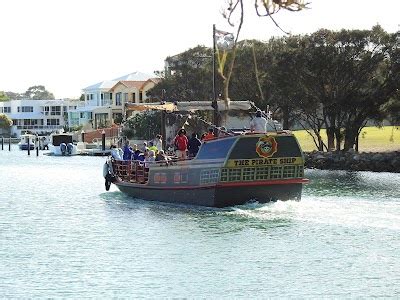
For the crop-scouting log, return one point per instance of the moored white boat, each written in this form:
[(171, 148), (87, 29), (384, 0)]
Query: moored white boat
[(27, 141), (61, 144)]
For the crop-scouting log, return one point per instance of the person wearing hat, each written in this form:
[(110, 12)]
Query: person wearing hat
[(181, 144), (259, 123)]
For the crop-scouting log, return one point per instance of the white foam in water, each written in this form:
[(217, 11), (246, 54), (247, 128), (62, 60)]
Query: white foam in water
[(342, 211)]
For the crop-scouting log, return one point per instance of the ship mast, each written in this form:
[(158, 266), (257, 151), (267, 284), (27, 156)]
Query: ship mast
[(214, 101)]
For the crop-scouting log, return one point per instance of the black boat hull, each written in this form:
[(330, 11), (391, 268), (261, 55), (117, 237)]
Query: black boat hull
[(215, 196)]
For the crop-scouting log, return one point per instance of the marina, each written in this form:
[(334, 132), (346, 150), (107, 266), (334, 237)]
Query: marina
[(63, 235)]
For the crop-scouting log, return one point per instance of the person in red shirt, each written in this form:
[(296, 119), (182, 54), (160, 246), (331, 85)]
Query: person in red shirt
[(210, 135), (181, 144)]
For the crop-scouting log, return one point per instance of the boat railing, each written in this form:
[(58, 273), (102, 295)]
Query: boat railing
[(137, 171), (131, 170)]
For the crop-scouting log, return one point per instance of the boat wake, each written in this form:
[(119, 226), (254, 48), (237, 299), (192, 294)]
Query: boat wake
[(330, 211)]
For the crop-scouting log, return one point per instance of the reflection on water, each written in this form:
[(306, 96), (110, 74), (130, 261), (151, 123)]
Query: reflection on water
[(62, 235), (354, 184)]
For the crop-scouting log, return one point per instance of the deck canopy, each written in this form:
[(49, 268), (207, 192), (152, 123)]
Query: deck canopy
[(190, 106)]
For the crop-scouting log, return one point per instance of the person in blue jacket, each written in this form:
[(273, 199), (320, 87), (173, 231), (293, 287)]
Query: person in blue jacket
[(127, 151)]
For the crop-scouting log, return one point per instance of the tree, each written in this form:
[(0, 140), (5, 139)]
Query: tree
[(263, 8), (144, 125), (3, 97), (5, 121), (38, 92), (346, 77), (188, 78), (14, 96)]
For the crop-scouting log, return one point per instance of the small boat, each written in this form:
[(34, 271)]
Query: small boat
[(61, 144), (226, 171), (27, 141)]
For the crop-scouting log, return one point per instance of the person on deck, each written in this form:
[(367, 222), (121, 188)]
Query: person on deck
[(158, 142), (181, 144), (127, 151), (259, 123), (116, 153), (194, 145), (144, 147), (161, 156), (222, 132), (137, 155), (210, 135), (153, 147)]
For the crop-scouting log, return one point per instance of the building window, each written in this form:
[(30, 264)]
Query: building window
[(7, 109), (56, 110), (30, 122), (25, 108), (46, 110), (140, 96), (118, 99), (126, 97), (91, 96), (102, 96), (87, 97), (133, 97), (53, 122)]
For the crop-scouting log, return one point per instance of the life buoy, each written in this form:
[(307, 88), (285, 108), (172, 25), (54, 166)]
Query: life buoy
[(105, 170), (107, 184)]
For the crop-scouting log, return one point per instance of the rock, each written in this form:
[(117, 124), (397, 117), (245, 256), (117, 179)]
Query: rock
[(352, 160)]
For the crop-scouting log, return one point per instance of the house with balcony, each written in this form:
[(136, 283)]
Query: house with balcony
[(105, 101), (38, 116)]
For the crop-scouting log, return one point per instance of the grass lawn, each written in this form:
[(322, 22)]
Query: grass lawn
[(372, 139)]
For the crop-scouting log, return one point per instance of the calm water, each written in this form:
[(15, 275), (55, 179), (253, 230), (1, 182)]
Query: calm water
[(63, 235)]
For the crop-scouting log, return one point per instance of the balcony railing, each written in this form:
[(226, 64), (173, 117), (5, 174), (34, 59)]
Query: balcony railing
[(26, 127), (51, 113)]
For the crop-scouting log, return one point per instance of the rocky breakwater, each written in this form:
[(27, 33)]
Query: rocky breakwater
[(354, 161)]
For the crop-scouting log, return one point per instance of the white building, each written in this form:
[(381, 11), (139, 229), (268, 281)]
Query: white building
[(105, 101), (38, 116)]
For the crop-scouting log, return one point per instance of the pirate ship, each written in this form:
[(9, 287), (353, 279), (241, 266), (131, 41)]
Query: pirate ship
[(226, 171)]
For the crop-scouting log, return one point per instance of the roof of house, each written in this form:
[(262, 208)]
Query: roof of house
[(136, 84), (104, 85), (135, 76), (132, 77)]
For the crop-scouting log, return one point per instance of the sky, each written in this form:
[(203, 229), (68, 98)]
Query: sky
[(67, 45)]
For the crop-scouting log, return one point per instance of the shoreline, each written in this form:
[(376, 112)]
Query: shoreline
[(353, 161)]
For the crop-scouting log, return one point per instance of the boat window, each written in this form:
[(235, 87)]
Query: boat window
[(215, 149), (58, 139)]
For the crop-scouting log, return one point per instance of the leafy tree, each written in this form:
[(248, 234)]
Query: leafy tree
[(234, 14), (38, 92), (14, 96), (188, 78), (351, 73), (5, 121), (392, 109), (3, 97), (144, 125)]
